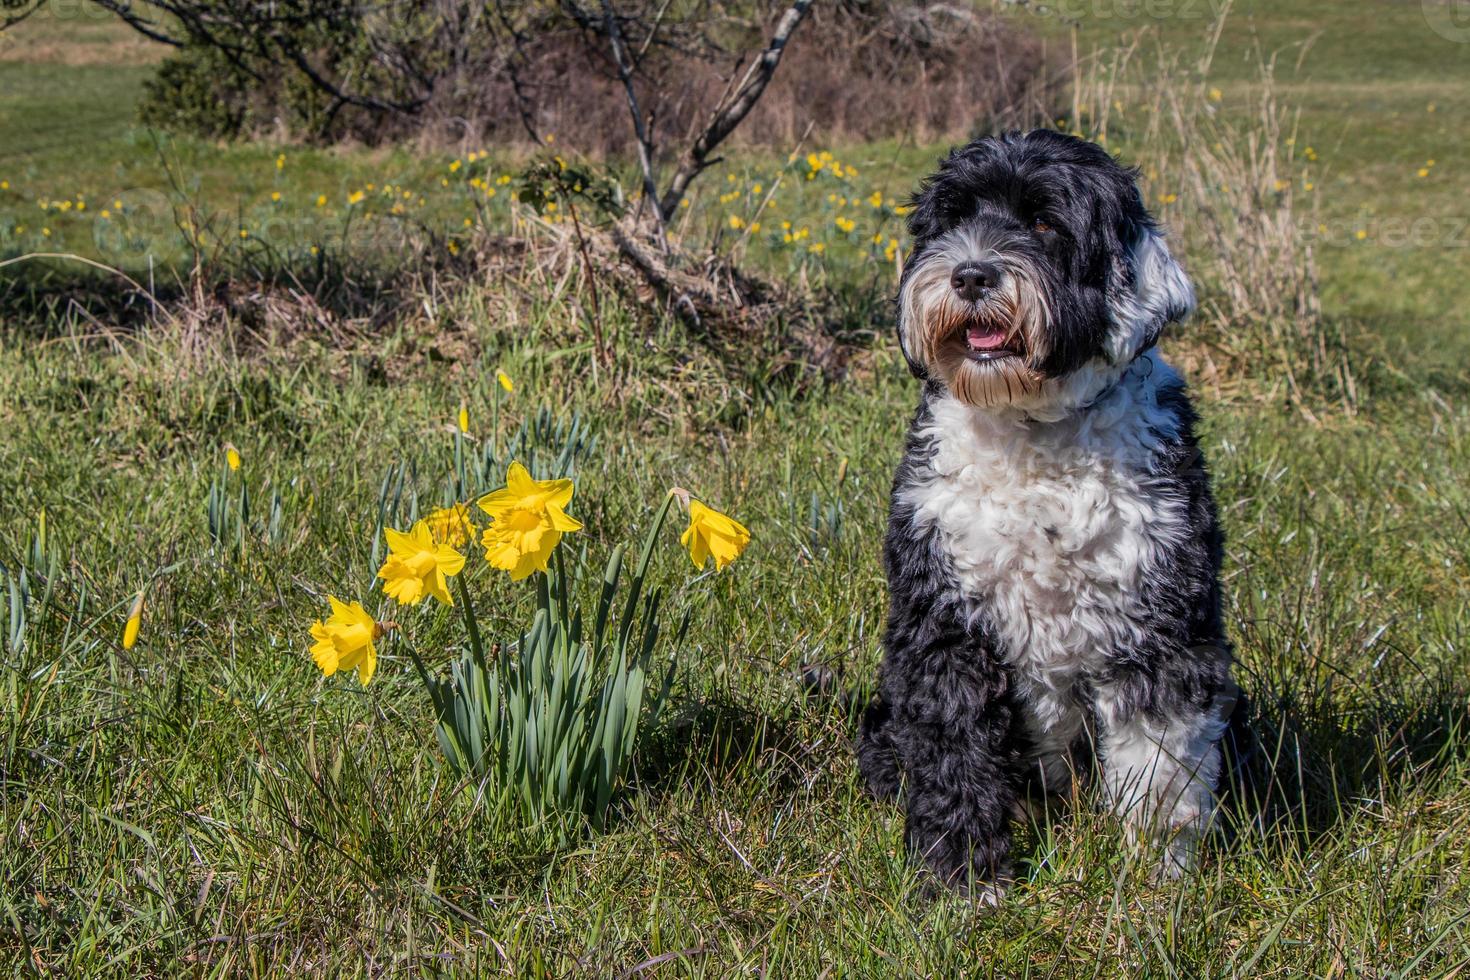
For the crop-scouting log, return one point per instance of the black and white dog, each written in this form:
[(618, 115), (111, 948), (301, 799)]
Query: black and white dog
[(1053, 552)]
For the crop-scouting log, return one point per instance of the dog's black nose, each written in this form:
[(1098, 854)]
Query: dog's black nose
[(973, 279)]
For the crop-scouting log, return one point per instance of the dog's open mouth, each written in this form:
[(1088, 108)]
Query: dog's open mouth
[(990, 342)]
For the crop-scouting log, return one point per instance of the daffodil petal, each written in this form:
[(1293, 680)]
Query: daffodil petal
[(561, 520), (398, 541), (518, 480), (368, 666), (498, 501), (450, 562)]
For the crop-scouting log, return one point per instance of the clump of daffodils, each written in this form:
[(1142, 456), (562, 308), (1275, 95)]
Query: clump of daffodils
[(544, 725)]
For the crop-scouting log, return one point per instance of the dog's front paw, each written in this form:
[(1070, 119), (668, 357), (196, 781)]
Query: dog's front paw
[(985, 893), (1176, 858)]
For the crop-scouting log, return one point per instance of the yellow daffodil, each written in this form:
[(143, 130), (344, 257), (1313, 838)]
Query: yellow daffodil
[(712, 534), (528, 519), (232, 457), (464, 419), (417, 566), (504, 381), (450, 525), (346, 640), (135, 622)]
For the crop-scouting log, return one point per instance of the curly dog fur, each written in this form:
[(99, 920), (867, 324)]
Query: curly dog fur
[(1053, 551)]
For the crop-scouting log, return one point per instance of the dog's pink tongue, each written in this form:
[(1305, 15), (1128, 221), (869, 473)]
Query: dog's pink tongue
[(985, 338)]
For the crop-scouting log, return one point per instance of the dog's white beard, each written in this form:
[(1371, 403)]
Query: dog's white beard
[(933, 320)]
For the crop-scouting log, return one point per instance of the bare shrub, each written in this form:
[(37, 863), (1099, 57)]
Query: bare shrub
[(505, 73), (922, 72)]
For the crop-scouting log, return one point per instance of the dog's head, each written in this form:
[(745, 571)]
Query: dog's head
[(1035, 262)]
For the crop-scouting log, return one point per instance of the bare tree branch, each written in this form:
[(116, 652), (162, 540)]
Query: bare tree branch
[(732, 110), (640, 124)]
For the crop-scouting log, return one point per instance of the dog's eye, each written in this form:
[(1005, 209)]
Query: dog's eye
[(1041, 227)]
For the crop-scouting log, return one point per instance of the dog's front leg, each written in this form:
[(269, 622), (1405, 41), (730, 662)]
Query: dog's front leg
[(1161, 761), (957, 743)]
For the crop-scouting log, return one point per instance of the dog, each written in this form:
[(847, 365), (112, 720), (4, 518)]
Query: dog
[(1053, 551)]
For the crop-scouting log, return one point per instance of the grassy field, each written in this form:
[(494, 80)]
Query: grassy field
[(205, 803)]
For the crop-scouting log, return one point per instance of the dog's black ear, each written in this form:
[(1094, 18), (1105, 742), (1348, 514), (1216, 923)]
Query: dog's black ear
[(1148, 288)]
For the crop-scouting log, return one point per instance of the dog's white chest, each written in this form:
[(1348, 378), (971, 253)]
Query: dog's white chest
[(1050, 531)]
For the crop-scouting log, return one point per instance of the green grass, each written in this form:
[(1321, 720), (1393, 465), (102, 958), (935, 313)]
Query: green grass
[(206, 804)]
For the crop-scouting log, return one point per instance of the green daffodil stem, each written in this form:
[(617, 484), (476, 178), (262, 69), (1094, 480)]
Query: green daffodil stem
[(423, 672), (470, 624), (648, 542)]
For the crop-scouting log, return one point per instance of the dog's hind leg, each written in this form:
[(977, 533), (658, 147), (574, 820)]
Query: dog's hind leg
[(877, 756)]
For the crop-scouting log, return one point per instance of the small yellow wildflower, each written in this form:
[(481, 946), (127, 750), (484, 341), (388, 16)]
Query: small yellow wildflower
[(276, 196), (450, 525), (736, 222), (135, 621), (321, 200), (504, 381), (355, 197), (528, 518), (232, 457), (346, 640), (418, 566), (464, 419), (713, 535), (1216, 95)]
